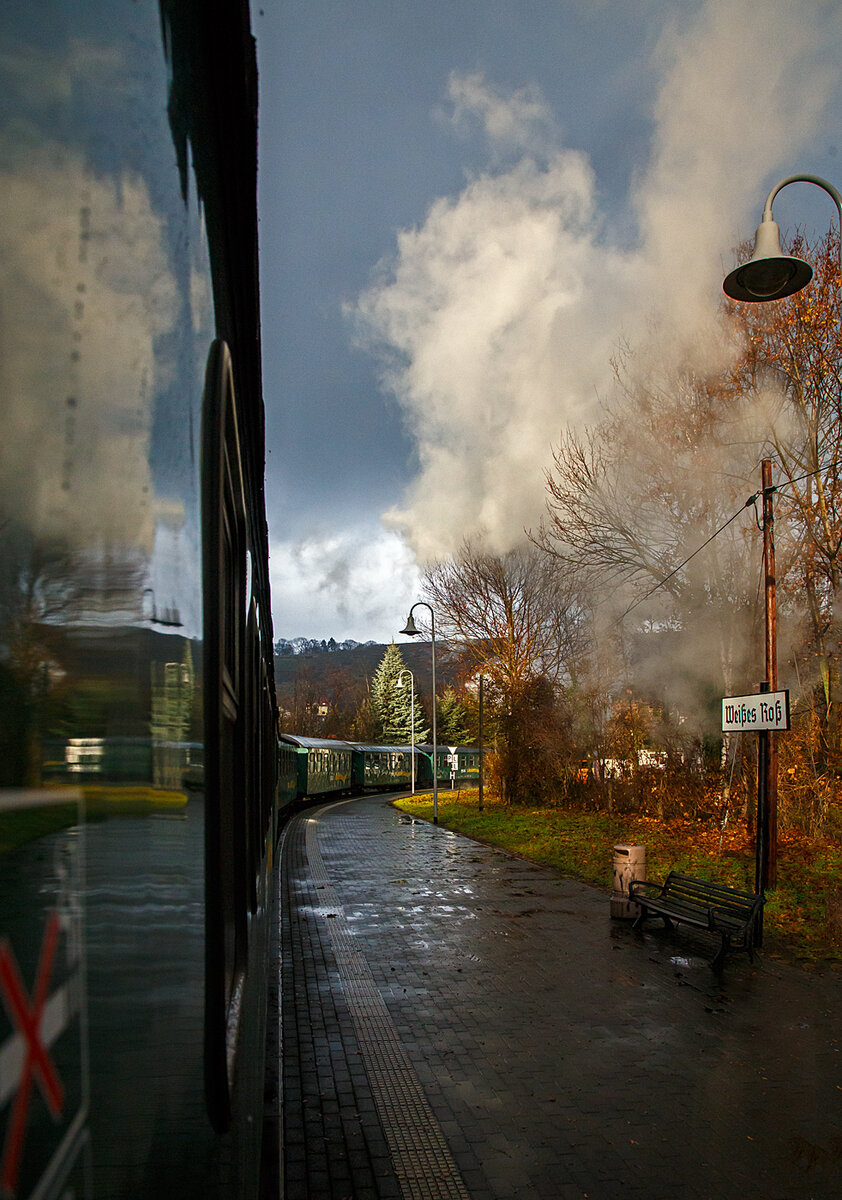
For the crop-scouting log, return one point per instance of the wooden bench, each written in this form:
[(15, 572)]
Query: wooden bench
[(710, 906)]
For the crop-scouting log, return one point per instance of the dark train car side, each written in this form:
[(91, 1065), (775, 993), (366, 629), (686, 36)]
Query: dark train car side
[(324, 766), (139, 784), (455, 765), (386, 768)]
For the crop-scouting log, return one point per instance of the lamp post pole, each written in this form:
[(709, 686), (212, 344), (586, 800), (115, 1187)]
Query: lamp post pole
[(411, 631), (412, 715)]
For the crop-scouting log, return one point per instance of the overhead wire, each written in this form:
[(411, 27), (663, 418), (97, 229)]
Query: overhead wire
[(690, 557), (751, 501)]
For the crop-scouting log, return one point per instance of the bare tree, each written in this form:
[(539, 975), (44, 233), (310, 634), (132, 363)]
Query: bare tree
[(304, 717), (516, 620), (511, 614), (631, 501)]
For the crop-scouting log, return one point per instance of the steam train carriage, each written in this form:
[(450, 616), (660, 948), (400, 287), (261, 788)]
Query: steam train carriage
[(390, 767), (455, 765), (322, 766), (138, 753), (326, 766)]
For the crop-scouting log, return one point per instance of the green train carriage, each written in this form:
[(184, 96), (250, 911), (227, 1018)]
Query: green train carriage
[(456, 766), (389, 767), (323, 766)]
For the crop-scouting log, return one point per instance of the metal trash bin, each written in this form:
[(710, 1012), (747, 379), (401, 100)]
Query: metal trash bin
[(629, 863)]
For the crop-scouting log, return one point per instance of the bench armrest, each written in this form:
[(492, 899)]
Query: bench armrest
[(750, 917), (643, 889)]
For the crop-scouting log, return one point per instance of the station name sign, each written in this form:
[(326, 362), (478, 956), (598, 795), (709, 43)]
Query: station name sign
[(768, 710)]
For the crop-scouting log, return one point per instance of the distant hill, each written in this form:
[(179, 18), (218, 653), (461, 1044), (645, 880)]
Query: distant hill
[(360, 661), (301, 645)]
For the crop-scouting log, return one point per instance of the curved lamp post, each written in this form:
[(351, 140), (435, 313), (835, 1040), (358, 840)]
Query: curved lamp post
[(769, 274), (401, 684), (411, 631)]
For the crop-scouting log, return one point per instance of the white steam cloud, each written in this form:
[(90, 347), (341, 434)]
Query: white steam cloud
[(497, 319), (511, 122)]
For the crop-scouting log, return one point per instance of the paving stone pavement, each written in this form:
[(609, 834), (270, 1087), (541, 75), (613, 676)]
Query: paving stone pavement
[(460, 1023)]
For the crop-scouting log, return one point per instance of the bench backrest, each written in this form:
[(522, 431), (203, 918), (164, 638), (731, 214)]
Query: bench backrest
[(726, 900)]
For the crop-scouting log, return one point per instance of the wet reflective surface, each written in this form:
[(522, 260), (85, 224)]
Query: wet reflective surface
[(106, 318), (561, 1054)]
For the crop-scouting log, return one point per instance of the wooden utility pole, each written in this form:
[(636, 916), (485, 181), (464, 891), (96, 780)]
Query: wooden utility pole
[(771, 610)]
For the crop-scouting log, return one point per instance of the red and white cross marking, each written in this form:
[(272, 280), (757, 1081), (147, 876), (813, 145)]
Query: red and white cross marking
[(38, 1065)]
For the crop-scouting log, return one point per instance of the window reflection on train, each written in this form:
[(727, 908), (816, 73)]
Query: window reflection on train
[(169, 758), (138, 814)]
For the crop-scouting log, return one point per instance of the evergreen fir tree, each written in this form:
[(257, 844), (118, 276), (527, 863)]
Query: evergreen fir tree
[(451, 720), (422, 729), (392, 704)]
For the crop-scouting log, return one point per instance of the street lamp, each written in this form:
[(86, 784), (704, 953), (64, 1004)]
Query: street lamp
[(400, 684), (411, 631), (769, 274)]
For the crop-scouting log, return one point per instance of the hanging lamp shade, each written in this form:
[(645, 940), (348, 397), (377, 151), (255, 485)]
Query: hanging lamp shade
[(410, 629), (769, 274)]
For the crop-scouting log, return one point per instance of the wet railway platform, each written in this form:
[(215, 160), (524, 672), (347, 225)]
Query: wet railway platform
[(460, 1023)]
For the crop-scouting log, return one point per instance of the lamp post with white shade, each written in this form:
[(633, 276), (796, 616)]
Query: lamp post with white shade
[(401, 684), (411, 631)]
